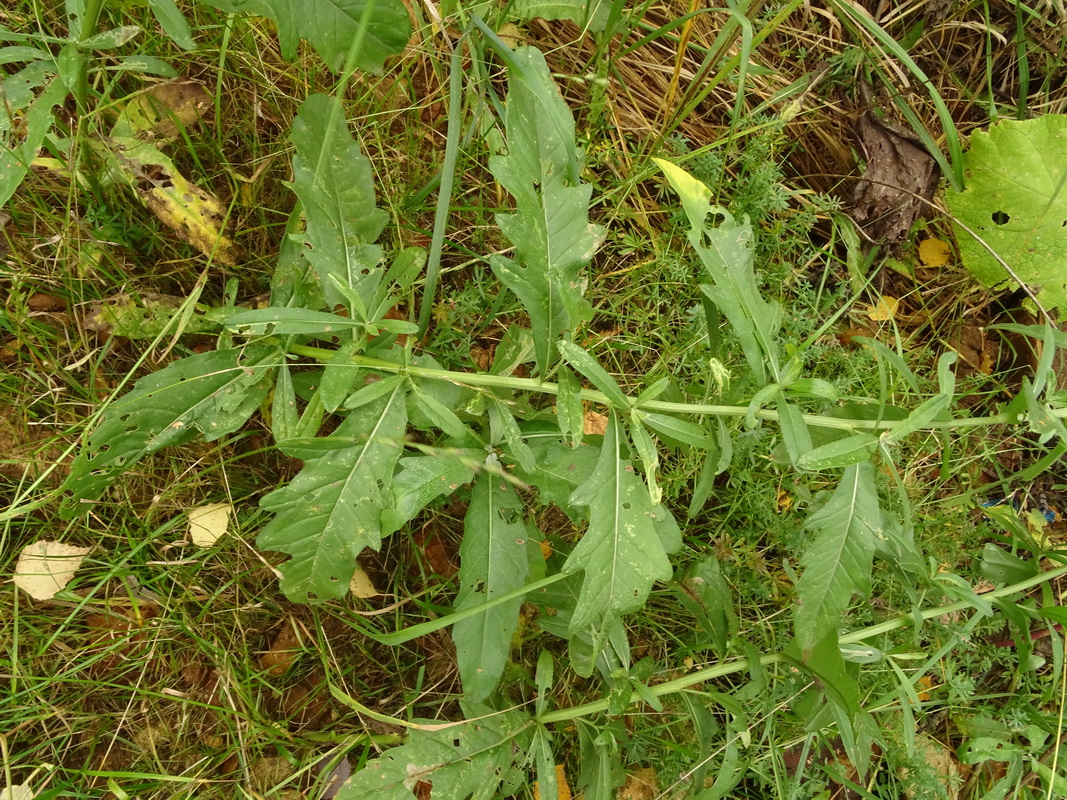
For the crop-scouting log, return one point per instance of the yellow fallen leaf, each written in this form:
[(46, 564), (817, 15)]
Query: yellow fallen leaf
[(884, 310), (44, 568), (207, 524), (934, 252), (361, 585), (195, 215)]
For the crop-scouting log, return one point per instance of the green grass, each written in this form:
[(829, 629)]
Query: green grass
[(147, 677)]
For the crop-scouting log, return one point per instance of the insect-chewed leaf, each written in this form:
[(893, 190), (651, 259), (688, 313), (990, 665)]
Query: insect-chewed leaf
[(332, 509), (558, 470), (17, 150), (1015, 202), (424, 478), (624, 551), (838, 563), (334, 182), (468, 760), (550, 227), (494, 559), (212, 394)]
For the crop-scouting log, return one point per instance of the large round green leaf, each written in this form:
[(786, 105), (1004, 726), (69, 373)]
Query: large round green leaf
[(1016, 202)]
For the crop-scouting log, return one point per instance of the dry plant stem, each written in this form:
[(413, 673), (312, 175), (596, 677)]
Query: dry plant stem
[(534, 385), (742, 664)]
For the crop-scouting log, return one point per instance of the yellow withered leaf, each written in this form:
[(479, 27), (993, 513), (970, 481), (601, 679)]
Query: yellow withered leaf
[(195, 215), (163, 111), (208, 524), (885, 309), (934, 252)]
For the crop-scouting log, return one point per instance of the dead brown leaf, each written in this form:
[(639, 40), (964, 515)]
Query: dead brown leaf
[(900, 174), (594, 423), (45, 302), (437, 554), (121, 638), (284, 649), (639, 785)]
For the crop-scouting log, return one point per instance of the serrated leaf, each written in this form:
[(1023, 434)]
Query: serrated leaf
[(837, 564), (840, 452), (110, 39), (1016, 201), (18, 146), (424, 478), (460, 762), (727, 252), (334, 182), (504, 429), (624, 550), (679, 429), (569, 410), (550, 228), (591, 369), (209, 395), (494, 559), (332, 509), (283, 321), (340, 375), (559, 469), (332, 26)]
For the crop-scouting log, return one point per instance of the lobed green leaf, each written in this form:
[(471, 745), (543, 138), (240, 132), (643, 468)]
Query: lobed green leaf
[(837, 564), (624, 550), (550, 227), (211, 394), (332, 509)]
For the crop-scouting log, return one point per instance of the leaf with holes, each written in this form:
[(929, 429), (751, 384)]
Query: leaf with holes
[(335, 185), (550, 228), (209, 395), (381, 28), (332, 509), (423, 478), (447, 762), (624, 551), (494, 559), (837, 564), (1016, 202)]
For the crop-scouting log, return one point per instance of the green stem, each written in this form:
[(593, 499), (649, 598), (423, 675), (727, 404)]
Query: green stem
[(90, 20), (742, 664), (701, 409)]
